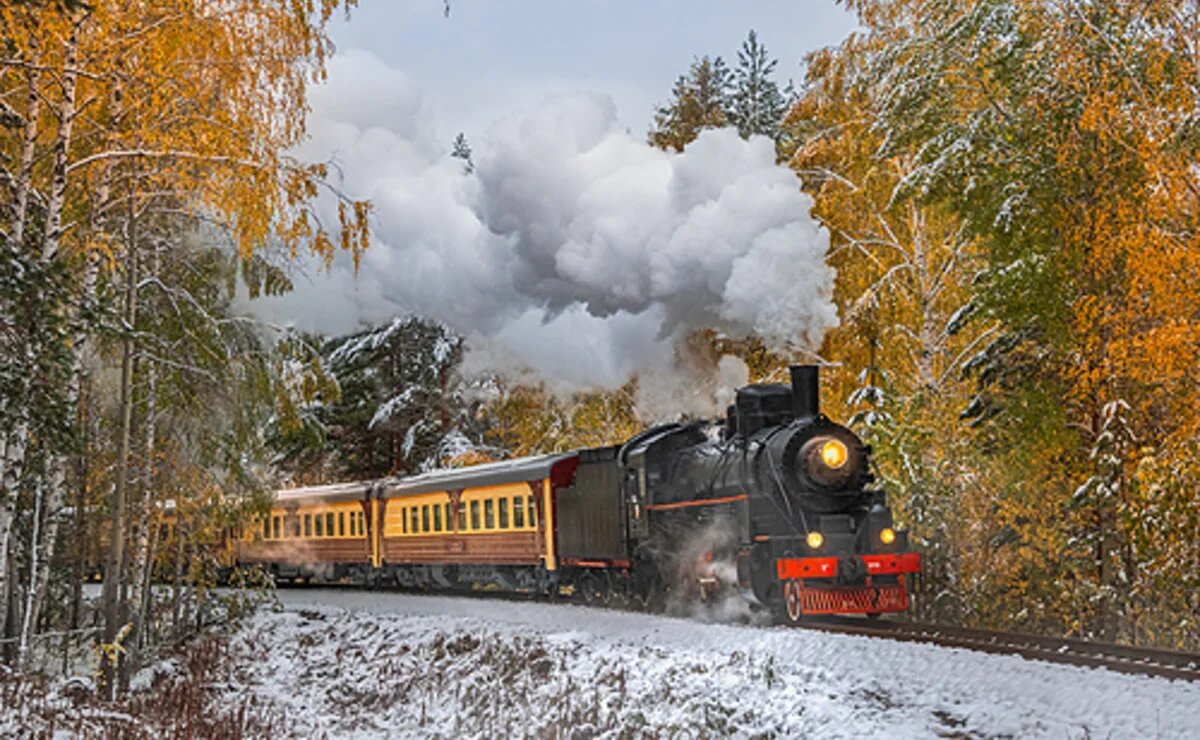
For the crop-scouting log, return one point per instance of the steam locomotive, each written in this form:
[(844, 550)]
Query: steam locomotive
[(773, 507)]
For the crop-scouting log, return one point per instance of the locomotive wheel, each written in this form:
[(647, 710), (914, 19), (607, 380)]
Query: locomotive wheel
[(588, 589), (791, 597)]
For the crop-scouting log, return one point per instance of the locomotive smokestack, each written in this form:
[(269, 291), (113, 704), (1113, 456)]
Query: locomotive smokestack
[(806, 389)]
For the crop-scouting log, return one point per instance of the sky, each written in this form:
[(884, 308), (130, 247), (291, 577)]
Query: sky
[(491, 57)]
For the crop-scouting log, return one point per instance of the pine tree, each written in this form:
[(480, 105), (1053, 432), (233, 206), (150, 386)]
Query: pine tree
[(699, 100), (756, 104)]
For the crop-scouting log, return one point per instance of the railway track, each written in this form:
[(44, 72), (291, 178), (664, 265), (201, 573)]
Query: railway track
[(1120, 658)]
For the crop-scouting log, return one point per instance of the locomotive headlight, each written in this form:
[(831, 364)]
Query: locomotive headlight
[(887, 535), (833, 453), (815, 540)]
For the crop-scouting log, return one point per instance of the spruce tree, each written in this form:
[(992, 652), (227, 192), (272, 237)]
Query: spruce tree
[(402, 407), (757, 105)]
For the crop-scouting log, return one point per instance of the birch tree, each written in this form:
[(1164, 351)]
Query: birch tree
[(193, 106)]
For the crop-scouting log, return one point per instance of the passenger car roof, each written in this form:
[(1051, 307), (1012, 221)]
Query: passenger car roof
[(333, 493), (476, 476)]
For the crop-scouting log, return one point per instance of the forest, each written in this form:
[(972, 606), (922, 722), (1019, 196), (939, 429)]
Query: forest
[(1010, 187)]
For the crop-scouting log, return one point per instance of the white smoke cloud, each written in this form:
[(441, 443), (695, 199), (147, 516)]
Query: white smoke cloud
[(575, 249)]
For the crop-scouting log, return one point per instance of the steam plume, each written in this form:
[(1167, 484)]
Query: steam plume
[(574, 249)]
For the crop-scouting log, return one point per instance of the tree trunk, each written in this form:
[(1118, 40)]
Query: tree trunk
[(62, 149), (5, 528), (14, 461), (79, 525), (145, 598), (140, 577), (30, 620), (24, 181), (114, 612)]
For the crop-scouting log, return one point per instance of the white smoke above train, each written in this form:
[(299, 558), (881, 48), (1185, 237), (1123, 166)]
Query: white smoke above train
[(574, 249)]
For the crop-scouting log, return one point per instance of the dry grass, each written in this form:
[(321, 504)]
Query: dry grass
[(189, 699)]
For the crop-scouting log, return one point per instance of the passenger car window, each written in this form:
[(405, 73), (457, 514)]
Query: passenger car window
[(503, 512), (329, 524), (266, 529), (489, 514), (518, 513), (320, 529), (308, 525), (275, 528), (341, 524), (437, 517), (425, 526), (474, 515), (532, 509)]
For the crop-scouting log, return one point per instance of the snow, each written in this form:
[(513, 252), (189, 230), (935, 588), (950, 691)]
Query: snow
[(363, 664)]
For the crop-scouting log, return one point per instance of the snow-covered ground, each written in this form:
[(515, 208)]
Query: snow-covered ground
[(346, 663)]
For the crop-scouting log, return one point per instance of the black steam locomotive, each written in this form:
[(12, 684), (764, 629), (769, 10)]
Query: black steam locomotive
[(775, 503), (773, 507)]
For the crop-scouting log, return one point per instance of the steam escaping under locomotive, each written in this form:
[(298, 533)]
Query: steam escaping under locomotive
[(773, 506)]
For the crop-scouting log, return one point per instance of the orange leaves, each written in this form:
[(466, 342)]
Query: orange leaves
[(188, 104)]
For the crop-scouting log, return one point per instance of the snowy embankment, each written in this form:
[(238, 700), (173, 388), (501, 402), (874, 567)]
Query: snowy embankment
[(342, 663)]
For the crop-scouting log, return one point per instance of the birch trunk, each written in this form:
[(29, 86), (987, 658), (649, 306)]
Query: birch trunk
[(14, 461), (24, 180), (27, 626), (62, 150), (141, 556)]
